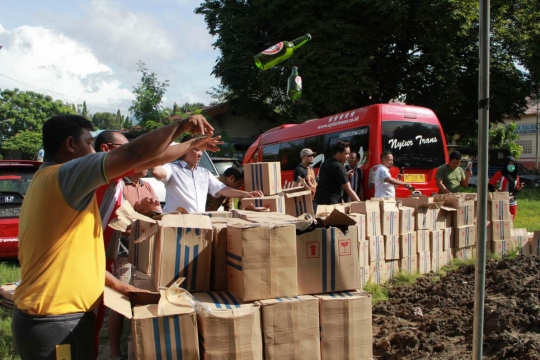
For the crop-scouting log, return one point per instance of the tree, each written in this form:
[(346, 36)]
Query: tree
[(84, 111), (371, 51), (148, 95), (500, 137), (127, 124), (22, 114), (105, 121)]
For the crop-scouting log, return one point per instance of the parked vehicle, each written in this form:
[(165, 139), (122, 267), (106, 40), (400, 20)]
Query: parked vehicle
[(412, 133), (223, 163), (15, 178), (528, 177)]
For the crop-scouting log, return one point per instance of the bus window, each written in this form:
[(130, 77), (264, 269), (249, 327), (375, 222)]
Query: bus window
[(289, 154), (271, 153), (413, 144), (358, 138)]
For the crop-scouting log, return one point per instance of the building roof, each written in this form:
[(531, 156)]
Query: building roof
[(215, 110)]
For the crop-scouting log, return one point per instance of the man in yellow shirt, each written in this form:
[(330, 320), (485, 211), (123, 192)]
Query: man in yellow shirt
[(60, 234)]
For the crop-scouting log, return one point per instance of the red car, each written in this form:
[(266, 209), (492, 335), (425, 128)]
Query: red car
[(15, 178)]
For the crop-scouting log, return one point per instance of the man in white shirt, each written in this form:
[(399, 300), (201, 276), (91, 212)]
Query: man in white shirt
[(187, 184), (385, 184)]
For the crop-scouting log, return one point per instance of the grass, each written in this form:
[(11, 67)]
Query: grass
[(9, 272), (528, 216)]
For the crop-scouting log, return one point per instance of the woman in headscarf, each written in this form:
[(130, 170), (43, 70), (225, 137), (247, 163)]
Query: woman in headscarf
[(507, 179)]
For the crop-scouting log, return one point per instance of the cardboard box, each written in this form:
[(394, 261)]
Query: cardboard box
[(142, 281), (503, 247), (363, 253), (520, 237), (449, 255), (500, 206), (436, 261), (265, 176), (407, 221), (141, 255), (232, 330), (173, 331), (424, 262), (407, 244), (465, 254), (6, 295), (365, 275), (409, 264), (360, 223), (377, 270), (274, 203), (298, 203), (261, 261), (392, 268), (327, 209), (465, 236), (373, 216), (328, 259), (422, 240), (500, 230), (448, 238), (391, 247), (465, 212), (376, 248), (436, 241), (219, 251), (390, 218), (425, 211), (535, 243), (290, 328), (214, 214), (345, 322)]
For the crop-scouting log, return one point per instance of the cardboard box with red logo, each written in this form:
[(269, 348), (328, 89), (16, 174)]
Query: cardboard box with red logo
[(465, 236), (373, 215), (365, 275), (465, 254), (389, 217), (409, 264), (391, 247), (407, 220), (377, 270), (297, 202), (500, 229), (436, 241), (376, 248), (275, 203), (422, 240), (363, 253), (500, 206), (448, 237), (520, 237), (424, 262)]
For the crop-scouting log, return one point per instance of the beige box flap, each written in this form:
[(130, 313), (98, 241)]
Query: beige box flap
[(186, 221), (117, 302), (337, 218)]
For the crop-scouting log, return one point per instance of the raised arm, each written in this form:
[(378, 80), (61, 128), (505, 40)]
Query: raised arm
[(151, 145)]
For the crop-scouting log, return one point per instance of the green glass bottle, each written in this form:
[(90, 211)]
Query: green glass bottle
[(294, 85), (279, 52)]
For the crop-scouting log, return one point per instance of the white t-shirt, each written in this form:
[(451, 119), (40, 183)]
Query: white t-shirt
[(383, 188), (187, 188)]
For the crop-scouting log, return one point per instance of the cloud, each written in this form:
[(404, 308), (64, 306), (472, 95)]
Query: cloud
[(38, 59)]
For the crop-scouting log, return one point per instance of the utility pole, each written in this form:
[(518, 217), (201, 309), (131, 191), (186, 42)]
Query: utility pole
[(537, 129)]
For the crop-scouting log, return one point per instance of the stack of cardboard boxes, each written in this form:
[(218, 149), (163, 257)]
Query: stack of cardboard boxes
[(269, 285)]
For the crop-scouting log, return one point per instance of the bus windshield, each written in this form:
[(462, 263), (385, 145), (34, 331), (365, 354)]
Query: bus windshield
[(413, 144)]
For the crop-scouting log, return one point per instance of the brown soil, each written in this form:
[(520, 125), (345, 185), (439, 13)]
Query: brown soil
[(444, 330)]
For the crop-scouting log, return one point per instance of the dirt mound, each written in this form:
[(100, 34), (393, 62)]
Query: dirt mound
[(433, 318)]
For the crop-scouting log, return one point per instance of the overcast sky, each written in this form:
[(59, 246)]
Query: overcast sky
[(88, 49)]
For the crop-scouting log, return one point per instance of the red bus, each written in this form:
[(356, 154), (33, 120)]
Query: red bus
[(413, 134)]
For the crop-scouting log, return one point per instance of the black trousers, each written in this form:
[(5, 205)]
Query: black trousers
[(36, 337)]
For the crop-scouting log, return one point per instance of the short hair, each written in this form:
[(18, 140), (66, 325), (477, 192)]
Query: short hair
[(455, 155), (236, 171), (340, 146), (385, 154), (58, 128), (104, 137)]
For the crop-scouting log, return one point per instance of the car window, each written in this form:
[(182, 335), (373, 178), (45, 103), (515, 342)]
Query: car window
[(222, 166), (206, 162), (16, 179)]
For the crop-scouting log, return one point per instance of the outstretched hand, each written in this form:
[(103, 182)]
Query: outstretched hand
[(197, 124), (208, 143)]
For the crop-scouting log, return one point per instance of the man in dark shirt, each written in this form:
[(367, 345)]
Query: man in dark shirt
[(305, 171), (333, 178), (356, 177)]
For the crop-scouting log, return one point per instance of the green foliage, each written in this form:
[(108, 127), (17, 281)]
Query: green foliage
[(500, 137), (22, 114), (106, 121), (404, 278), (226, 149), (127, 123), (366, 51), (83, 111), (148, 95), (378, 292)]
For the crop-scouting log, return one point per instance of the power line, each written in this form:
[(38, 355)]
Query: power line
[(66, 97)]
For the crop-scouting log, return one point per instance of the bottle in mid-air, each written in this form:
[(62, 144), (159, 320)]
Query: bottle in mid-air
[(294, 85), (279, 52)]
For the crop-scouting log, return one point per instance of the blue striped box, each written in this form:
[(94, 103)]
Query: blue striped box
[(371, 210), (409, 264), (424, 262), (390, 220), (466, 236), (327, 260), (377, 272), (232, 330), (535, 243), (422, 240), (184, 249), (363, 253), (469, 253), (265, 176), (364, 275), (346, 329), (261, 261), (142, 255), (465, 213), (436, 241), (391, 247), (298, 203), (448, 238), (172, 335), (406, 220), (520, 237), (407, 244), (500, 230), (290, 327), (376, 248)]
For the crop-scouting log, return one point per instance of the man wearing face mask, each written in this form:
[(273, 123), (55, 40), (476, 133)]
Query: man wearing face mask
[(507, 179)]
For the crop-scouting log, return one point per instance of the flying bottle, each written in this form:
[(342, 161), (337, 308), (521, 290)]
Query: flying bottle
[(279, 52), (294, 85)]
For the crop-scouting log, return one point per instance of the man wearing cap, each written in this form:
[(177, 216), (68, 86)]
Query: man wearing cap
[(305, 171)]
